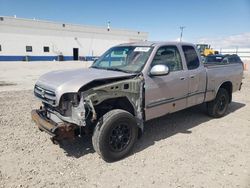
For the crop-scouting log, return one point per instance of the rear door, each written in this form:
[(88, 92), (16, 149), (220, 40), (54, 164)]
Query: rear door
[(166, 94), (196, 76)]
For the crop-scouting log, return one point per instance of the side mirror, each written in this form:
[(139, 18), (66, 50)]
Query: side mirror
[(159, 70)]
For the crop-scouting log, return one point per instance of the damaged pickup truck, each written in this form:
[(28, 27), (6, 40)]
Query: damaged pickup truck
[(128, 85)]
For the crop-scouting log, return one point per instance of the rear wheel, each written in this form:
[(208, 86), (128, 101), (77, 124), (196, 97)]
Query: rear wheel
[(218, 107), (115, 135)]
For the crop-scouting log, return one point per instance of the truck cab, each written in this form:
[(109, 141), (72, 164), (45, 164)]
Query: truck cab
[(182, 87)]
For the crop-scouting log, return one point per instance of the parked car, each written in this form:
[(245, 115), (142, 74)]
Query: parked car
[(128, 85), (234, 58), (222, 59), (213, 59)]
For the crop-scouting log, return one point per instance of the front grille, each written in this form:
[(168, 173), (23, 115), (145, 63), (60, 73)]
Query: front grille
[(45, 95)]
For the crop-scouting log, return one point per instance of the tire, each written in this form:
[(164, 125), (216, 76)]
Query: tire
[(114, 135), (218, 107)]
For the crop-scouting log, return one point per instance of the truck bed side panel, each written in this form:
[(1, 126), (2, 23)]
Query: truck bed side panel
[(219, 74)]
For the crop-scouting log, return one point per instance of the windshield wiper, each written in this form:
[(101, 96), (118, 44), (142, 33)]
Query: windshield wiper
[(117, 69), (112, 69), (95, 67)]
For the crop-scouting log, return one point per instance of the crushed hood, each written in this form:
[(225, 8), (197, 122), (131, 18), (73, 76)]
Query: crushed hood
[(67, 81)]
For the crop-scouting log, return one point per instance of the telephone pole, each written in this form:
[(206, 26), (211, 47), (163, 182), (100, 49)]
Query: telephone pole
[(181, 28)]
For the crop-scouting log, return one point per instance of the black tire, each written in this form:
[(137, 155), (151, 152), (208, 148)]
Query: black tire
[(218, 107), (114, 135)]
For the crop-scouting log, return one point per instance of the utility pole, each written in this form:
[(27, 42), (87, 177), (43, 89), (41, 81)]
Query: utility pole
[(181, 28), (108, 28)]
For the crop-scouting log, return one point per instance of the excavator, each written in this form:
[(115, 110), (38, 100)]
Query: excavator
[(206, 50)]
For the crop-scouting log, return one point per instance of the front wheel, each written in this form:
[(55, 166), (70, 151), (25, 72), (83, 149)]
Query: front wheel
[(115, 135), (218, 107)]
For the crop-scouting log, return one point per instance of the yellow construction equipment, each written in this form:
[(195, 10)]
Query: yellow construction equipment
[(206, 50)]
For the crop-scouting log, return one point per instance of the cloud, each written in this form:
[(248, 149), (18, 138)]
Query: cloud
[(240, 41)]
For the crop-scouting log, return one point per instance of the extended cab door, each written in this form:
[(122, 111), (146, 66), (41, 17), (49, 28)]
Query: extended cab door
[(196, 76), (168, 93)]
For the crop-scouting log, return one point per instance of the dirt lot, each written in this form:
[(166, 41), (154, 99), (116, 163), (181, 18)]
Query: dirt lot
[(23, 75), (185, 149)]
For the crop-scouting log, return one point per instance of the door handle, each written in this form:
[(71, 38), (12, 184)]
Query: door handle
[(192, 76), (182, 78)]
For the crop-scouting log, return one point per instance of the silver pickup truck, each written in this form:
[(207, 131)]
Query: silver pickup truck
[(128, 85)]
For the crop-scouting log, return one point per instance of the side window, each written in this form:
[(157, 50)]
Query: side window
[(231, 59), (28, 48), (238, 60), (191, 57), (235, 59), (170, 56), (45, 49)]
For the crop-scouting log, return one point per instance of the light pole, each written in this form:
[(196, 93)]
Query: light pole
[(108, 28), (181, 28)]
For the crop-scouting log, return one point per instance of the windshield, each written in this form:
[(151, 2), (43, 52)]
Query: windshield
[(129, 59)]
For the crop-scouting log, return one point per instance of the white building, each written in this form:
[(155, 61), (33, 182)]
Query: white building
[(30, 39), (243, 53)]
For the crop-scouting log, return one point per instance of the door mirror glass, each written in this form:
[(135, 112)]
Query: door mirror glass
[(159, 70)]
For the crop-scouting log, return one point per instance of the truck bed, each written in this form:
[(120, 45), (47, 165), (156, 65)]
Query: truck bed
[(218, 74)]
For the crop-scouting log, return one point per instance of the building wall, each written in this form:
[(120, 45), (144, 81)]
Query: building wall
[(16, 34)]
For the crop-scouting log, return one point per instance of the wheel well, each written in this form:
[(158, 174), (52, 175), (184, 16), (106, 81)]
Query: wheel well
[(115, 103), (229, 87)]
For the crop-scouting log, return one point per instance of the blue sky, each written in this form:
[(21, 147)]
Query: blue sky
[(204, 20)]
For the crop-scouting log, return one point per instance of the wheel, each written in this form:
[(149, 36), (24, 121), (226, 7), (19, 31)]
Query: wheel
[(218, 107), (115, 135)]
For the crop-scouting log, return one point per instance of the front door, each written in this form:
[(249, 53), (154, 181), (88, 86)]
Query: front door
[(168, 93)]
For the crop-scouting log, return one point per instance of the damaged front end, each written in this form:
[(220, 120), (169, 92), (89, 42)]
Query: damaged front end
[(58, 132), (78, 113)]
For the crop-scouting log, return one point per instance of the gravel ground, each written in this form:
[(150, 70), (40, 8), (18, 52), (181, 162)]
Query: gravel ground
[(185, 149), (23, 75)]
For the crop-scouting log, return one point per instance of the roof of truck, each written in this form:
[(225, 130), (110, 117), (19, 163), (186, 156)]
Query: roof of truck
[(155, 43)]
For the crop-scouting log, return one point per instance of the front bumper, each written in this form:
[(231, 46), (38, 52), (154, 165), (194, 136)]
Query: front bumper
[(43, 123), (58, 131)]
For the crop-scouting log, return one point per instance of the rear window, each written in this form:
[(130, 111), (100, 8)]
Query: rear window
[(191, 57)]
